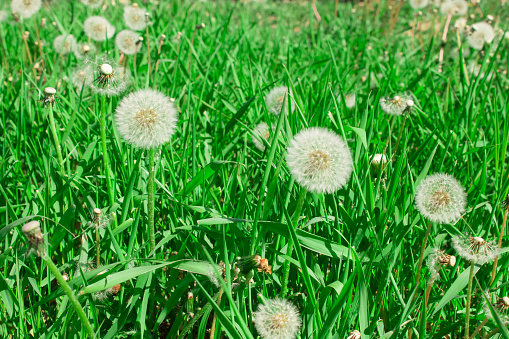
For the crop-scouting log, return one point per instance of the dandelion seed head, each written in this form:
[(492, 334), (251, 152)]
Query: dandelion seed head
[(277, 318), (109, 78), (277, 100), (127, 41), (454, 7), (396, 105), (460, 24), (3, 15), (440, 198), (134, 18), (261, 132), (475, 249), (64, 44), (32, 231), (354, 335), (349, 100), (319, 160), (482, 32), (146, 118), (501, 307), (418, 4), (84, 50), (212, 275), (82, 76), (92, 3), (26, 8), (98, 28)]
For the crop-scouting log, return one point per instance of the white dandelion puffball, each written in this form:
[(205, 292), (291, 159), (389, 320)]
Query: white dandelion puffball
[(482, 33), (441, 198), (3, 16), (319, 160), (460, 24), (455, 7), (64, 44), (134, 18), (26, 8), (83, 50), (126, 41), (475, 249), (98, 28), (277, 100), (261, 132), (146, 118), (92, 3), (349, 100), (277, 318), (418, 4), (394, 105), (108, 78), (82, 76)]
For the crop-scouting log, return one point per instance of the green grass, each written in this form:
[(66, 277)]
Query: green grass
[(219, 198)]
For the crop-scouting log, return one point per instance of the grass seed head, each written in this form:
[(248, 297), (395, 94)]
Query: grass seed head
[(26, 8), (441, 198), (146, 118), (98, 28), (277, 318), (319, 160), (277, 100)]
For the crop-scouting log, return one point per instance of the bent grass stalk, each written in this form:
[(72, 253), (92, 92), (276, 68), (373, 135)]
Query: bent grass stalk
[(72, 298), (289, 250)]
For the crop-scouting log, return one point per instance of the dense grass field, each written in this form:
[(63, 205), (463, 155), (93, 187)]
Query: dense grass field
[(353, 253)]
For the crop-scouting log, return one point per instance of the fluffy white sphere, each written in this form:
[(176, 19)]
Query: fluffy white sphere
[(82, 76), (349, 100), (261, 132), (82, 50), (277, 318), (64, 44), (26, 8), (92, 3), (98, 28), (455, 7), (441, 198), (418, 4), (278, 97), (482, 33), (319, 160), (146, 118), (394, 105), (126, 41), (134, 18)]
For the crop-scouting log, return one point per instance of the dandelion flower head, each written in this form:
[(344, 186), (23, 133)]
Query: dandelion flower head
[(418, 4), (319, 160), (277, 100), (146, 118), (92, 3), (454, 7), (349, 100), (82, 76), (436, 259), (441, 198), (460, 24), (84, 50), (64, 43), (261, 132), (98, 28), (277, 318), (482, 32), (126, 41), (109, 78), (134, 17), (3, 15), (395, 105), (26, 8), (475, 249), (501, 307)]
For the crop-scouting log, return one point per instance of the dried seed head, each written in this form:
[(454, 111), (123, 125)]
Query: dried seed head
[(501, 307), (32, 231), (248, 263), (354, 335), (396, 105), (475, 249), (49, 96)]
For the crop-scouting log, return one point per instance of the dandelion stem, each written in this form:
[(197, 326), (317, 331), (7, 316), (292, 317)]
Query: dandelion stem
[(469, 299), (55, 138), (478, 329), (444, 39), (400, 134), (97, 248), (214, 318), (106, 159), (504, 221), (289, 250), (72, 298), (421, 256), (151, 202)]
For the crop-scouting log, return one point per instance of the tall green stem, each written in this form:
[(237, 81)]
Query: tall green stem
[(504, 221), (289, 250), (400, 134), (151, 198), (72, 298), (55, 138), (97, 248), (421, 257), (106, 159), (469, 299)]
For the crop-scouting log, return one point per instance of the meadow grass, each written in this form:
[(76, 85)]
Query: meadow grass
[(217, 197)]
